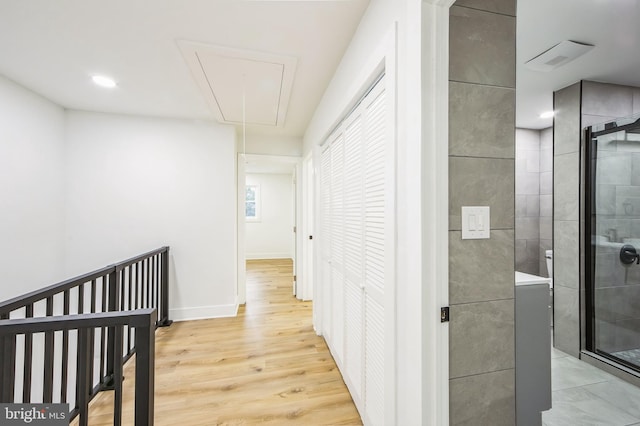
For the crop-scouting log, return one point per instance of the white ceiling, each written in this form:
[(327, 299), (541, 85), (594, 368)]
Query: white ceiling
[(610, 25), (52, 47)]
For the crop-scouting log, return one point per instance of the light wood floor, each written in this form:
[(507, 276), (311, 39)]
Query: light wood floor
[(265, 366)]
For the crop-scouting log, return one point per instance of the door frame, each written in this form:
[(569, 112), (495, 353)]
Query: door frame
[(306, 228), (241, 283)]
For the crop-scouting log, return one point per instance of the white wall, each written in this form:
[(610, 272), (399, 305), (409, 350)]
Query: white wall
[(266, 144), (136, 184), (272, 236), (31, 190)]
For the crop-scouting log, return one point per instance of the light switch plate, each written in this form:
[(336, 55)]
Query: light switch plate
[(476, 222)]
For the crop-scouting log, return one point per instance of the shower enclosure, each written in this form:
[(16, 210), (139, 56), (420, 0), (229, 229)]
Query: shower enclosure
[(611, 240)]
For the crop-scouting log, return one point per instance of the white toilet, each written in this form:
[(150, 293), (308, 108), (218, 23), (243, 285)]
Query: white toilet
[(548, 254)]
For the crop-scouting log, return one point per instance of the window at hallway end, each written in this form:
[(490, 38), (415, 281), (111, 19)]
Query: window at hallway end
[(252, 203)]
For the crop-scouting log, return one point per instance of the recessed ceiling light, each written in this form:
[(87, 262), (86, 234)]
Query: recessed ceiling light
[(103, 81), (547, 114)]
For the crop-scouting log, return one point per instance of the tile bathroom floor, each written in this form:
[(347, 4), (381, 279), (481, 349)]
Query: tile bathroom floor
[(583, 395)]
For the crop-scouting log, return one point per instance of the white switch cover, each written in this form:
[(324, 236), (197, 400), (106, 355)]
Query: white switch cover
[(476, 222)]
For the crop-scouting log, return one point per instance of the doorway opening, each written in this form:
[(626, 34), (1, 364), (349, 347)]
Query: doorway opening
[(267, 212)]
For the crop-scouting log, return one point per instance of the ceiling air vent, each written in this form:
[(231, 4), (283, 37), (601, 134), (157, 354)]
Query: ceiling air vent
[(557, 56)]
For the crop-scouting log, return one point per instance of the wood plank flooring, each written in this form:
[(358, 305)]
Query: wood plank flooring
[(265, 366)]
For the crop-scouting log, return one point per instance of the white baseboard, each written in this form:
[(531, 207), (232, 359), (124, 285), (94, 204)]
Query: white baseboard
[(254, 256), (203, 312)]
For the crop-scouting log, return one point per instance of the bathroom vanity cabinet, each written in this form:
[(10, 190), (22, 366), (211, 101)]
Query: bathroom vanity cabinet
[(533, 349)]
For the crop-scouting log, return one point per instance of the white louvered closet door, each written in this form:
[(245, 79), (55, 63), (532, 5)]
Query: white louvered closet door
[(337, 245), (375, 253), (353, 254), (355, 180), (325, 243)]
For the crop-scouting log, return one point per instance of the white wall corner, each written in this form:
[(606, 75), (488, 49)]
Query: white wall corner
[(435, 161)]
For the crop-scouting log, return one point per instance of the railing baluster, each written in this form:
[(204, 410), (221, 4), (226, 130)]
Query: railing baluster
[(65, 353), (83, 386), (93, 296), (138, 295), (47, 388), (129, 307), (81, 299), (156, 287), (154, 282), (8, 368), (147, 284), (112, 354), (103, 330), (3, 360), (122, 281), (28, 358), (117, 376), (123, 294)]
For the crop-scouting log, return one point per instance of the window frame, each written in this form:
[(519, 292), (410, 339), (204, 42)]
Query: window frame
[(256, 201)]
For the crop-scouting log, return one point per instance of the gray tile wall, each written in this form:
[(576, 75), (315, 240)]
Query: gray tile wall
[(534, 189), (528, 201), (482, 173), (546, 197), (566, 173), (618, 193)]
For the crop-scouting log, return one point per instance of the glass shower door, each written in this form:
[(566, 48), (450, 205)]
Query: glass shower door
[(612, 218)]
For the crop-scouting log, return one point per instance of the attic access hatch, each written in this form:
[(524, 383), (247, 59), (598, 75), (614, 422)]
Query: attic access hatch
[(224, 75)]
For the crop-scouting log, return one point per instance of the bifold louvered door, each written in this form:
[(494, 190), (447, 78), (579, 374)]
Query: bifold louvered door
[(354, 179)]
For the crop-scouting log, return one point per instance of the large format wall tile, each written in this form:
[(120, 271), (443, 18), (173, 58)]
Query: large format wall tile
[(546, 206), (480, 270), (546, 159), (546, 228), (546, 139), (614, 169), (505, 7), (485, 399), (618, 303), (527, 183), (481, 120), (482, 182), (482, 48), (546, 182), (566, 322), (532, 206), (566, 186), (606, 99), (566, 130), (481, 337), (566, 254), (636, 100), (528, 228), (527, 256), (605, 199)]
